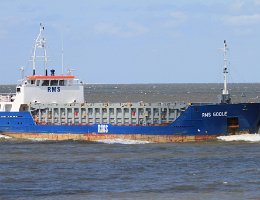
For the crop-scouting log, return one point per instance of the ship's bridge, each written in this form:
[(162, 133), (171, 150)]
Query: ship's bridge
[(63, 80), (44, 89), (49, 89)]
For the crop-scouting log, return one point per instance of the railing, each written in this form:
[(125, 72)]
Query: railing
[(7, 97)]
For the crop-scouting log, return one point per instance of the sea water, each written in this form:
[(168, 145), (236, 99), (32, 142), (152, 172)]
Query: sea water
[(128, 170), (228, 168)]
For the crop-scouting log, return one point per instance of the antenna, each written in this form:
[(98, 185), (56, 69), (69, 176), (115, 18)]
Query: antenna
[(40, 44), (62, 55), (22, 72)]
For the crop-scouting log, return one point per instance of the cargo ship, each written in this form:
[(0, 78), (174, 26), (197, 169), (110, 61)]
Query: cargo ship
[(52, 107)]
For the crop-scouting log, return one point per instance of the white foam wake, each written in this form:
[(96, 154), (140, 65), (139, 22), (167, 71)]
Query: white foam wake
[(122, 141), (4, 137), (38, 139), (242, 137)]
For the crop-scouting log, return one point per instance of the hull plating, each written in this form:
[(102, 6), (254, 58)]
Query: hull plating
[(196, 123), (98, 137)]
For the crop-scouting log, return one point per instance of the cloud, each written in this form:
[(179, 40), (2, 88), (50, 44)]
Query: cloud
[(176, 18), (242, 20), (244, 6), (257, 2), (131, 29), (237, 6), (244, 31)]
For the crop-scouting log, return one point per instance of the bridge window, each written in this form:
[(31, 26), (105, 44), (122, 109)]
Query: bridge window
[(32, 82), (37, 82), (54, 82), (45, 83), (61, 83), (70, 82), (75, 81)]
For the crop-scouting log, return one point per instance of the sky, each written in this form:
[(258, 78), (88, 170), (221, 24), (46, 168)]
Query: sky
[(134, 41)]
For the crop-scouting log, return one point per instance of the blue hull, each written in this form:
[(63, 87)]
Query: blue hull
[(201, 120)]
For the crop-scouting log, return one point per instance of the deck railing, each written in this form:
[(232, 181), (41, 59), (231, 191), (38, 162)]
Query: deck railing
[(7, 97)]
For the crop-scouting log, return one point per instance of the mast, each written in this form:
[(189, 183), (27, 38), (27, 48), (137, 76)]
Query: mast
[(40, 44), (225, 70), (225, 97)]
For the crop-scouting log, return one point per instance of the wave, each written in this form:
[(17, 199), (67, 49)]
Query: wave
[(38, 139), (242, 137), (4, 137), (122, 141)]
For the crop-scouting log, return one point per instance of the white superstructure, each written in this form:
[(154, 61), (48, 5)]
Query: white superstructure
[(43, 88)]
